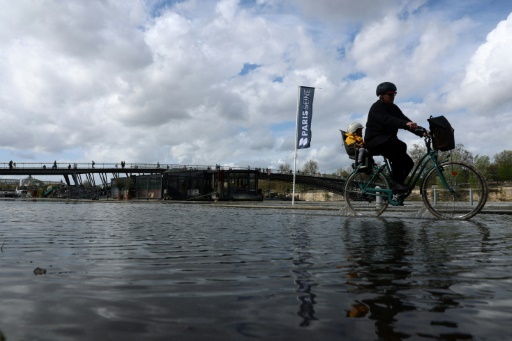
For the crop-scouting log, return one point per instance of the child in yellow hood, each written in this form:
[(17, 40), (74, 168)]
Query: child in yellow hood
[(355, 135)]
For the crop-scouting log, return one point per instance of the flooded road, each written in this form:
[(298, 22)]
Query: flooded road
[(137, 271)]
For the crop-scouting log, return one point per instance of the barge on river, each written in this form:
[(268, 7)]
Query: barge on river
[(191, 184)]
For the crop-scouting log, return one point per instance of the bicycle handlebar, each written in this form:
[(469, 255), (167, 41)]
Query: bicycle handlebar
[(421, 132)]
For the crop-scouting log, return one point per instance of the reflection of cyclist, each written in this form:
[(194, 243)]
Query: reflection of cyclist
[(384, 120), (380, 260)]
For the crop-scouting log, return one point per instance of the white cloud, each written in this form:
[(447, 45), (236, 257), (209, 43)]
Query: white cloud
[(487, 84), (111, 81)]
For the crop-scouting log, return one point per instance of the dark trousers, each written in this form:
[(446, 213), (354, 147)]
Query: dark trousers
[(396, 152), (361, 155)]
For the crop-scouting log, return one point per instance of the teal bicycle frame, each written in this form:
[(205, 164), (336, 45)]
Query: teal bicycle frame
[(421, 168)]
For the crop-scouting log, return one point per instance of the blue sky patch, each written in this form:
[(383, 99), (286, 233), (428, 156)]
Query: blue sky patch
[(355, 76), (158, 6), (416, 100), (283, 126), (248, 68)]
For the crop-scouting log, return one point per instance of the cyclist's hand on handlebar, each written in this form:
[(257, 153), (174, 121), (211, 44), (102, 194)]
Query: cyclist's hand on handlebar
[(420, 131), (417, 130), (411, 126)]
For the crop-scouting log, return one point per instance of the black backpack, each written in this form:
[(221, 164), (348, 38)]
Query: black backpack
[(443, 137)]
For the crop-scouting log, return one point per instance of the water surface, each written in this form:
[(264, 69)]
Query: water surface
[(137, 271)]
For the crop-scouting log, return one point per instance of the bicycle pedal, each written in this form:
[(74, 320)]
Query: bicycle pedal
[(397, 200)]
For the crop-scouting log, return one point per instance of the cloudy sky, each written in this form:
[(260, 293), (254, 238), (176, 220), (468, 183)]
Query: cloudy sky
[(205, 82)]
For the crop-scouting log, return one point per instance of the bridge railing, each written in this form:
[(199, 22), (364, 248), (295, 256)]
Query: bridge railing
[(133, 166), (111, 165), (82, 165)]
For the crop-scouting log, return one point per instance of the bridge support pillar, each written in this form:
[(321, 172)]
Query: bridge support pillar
[(90, 178), (104, 180), (76, 179)]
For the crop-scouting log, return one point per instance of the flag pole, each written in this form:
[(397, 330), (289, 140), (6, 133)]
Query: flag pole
[(296, 139)]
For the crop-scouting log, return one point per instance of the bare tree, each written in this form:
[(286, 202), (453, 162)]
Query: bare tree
[(459, 154), (310, 167), (417, 152), (284, 168), (341, 172)]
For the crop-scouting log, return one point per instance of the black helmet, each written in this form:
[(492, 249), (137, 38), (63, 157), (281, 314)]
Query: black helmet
[(385, 87)]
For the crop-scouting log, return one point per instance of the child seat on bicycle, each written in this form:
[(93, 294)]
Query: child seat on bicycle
[(354, 141)]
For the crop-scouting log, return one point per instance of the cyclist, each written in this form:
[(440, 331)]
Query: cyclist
[(384, 120), (355, 135)]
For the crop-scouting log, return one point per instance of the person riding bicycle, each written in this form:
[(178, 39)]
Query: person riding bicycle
[(353, 135), (384, 120)]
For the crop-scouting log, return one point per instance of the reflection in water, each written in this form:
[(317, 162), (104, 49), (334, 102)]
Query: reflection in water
[(382, 269), (303, 278), (398, 270)]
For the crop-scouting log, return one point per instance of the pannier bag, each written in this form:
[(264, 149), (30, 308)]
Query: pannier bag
[(443, 137)]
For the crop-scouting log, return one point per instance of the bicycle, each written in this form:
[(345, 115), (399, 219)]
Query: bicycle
[(449, 189)]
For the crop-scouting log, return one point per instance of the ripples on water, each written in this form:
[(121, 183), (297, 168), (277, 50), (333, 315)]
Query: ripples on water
[(136, 271)]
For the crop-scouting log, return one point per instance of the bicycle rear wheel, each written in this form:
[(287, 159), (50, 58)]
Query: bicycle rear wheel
[(463, 197), (362, 203)]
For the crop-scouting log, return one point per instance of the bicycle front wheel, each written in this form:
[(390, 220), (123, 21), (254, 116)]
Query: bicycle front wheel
[(362, 195), (456, 191)]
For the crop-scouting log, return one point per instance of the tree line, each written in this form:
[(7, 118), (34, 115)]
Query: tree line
[(497, 169)]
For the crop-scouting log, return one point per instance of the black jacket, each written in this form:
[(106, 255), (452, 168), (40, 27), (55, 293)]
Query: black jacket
[(383, 123)]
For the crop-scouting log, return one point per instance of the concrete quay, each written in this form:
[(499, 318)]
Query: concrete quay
[(489, 208)]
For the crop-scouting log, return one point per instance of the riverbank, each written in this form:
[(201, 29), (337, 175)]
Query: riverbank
[(489, 208)]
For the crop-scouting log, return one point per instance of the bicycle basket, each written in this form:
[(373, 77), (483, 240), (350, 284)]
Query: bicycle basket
[(443, 137)]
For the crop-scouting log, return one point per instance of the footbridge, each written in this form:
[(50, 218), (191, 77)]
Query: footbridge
[(78, 173)]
